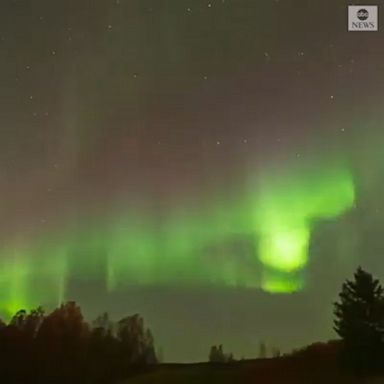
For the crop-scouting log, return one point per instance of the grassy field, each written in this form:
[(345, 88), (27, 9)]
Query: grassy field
[(191, 373), (285, 370)]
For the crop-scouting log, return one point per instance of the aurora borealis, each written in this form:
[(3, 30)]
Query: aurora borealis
[(180, 248), (213, 165)]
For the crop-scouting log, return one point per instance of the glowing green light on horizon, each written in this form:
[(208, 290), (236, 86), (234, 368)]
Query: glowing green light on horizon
[(203, 244), (30, 278)]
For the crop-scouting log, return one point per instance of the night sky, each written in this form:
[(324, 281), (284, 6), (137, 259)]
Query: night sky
[(215, 165)]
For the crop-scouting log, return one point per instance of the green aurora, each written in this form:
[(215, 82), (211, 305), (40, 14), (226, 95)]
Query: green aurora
[(260, 239)]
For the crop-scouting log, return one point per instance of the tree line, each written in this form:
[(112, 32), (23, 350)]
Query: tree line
[(61, 347), (217, 354)]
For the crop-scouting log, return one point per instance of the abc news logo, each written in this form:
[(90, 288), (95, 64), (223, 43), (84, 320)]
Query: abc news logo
[(362, 18)]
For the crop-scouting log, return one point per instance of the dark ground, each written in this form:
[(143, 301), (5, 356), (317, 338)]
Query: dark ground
[(287, 370)]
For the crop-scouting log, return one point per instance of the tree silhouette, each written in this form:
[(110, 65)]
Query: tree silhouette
[(62, 338), (212, 353), (28, 323), (262, 350), (104, 324), (160, 355), (359, 321), (103, 354), (136, 342), (276, 352), (217, 355), (231, 358)]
